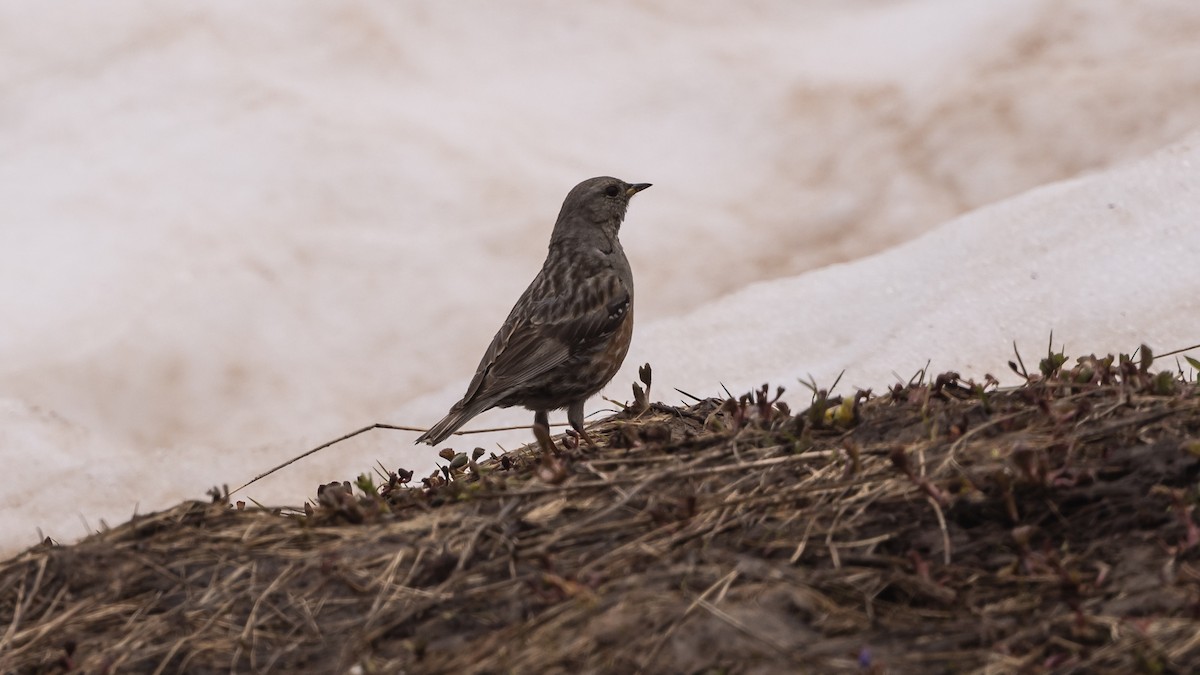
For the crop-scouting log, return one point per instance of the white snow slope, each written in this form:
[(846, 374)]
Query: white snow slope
[(231, 231)]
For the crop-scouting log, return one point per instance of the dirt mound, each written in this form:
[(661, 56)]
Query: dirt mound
[(943, 526)]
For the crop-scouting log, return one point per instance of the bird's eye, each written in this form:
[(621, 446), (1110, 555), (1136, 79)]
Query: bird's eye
[(611, 190)]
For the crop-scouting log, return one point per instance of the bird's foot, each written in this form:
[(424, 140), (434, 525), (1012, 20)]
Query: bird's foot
[(576, 434), (542, 433)]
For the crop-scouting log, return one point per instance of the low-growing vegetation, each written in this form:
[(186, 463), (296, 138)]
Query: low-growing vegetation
[(943, 525)]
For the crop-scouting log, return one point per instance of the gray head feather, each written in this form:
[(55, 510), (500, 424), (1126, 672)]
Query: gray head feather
[(594, 209)]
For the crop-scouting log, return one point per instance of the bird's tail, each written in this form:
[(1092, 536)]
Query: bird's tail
[(451, 423)]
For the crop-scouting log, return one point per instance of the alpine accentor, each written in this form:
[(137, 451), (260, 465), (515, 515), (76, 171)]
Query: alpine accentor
[(568, 333)]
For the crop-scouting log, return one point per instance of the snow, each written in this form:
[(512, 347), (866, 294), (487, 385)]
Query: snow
[(232, 232)]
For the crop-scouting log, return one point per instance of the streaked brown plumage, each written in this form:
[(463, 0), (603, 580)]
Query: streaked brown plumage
[(568, 333)]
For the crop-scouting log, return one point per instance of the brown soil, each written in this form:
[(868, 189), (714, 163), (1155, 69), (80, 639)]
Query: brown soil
[(940, 527)]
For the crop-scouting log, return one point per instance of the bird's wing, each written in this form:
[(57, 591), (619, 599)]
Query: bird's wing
[(548, 331)]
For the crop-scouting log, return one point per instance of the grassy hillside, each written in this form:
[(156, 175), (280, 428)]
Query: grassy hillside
[(940, 526)]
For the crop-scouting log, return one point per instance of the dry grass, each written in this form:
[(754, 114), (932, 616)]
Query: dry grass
[(941, 527)]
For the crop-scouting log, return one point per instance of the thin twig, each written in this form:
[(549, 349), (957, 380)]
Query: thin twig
[(937, 509), (1177, 351), (352, 434), (724, 582), (321, 447)]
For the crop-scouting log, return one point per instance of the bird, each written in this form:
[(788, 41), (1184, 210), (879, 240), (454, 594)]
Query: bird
[(568, 333)]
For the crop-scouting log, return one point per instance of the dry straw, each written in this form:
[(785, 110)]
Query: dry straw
[(943, 526)]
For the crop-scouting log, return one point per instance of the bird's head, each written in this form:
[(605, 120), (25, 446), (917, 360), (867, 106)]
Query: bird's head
[(595, 206)]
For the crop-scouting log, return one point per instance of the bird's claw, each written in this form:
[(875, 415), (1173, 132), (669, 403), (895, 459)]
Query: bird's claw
[(575, 435)]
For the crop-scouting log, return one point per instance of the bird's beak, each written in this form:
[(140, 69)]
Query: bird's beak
[(636, 188)]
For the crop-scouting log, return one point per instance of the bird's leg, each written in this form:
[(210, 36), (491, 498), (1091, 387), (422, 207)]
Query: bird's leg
[(575, 417), (541, 431)]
